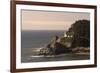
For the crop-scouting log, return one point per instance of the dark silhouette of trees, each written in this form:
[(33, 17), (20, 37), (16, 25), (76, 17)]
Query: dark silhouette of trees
[(80, 32), (81, 37)]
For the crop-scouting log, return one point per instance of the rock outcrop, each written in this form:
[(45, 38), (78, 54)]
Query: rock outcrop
[(77, 36), (54, 48)]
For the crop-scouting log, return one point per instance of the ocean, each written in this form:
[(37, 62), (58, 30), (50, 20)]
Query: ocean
[(31, 39)]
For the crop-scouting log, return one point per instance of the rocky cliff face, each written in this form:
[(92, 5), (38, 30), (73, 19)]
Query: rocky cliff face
[(76, 37), (54, 47)]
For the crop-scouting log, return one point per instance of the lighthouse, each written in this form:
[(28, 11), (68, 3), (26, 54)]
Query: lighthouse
[(65, 35)]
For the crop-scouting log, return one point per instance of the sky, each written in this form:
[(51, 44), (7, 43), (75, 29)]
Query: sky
[(49, 20)]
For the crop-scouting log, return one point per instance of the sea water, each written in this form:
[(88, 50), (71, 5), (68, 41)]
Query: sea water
[(31, 39)]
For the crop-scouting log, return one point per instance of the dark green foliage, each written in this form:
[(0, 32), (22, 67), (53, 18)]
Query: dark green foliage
[(78, 35), (81, 31)]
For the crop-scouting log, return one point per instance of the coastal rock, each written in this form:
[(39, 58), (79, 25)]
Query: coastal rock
[(75, 40), (81, 50), (54, 48)]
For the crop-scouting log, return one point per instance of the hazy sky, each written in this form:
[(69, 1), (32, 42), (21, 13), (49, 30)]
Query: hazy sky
[(47, 20)]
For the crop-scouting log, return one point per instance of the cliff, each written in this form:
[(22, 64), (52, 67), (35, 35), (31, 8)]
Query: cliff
[(76, 37), (55, 47)]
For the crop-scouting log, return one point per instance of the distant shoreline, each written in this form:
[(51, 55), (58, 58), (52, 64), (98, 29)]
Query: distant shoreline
[(43, 30)]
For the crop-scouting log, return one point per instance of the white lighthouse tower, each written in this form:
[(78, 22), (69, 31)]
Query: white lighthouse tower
[(65, 35)]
